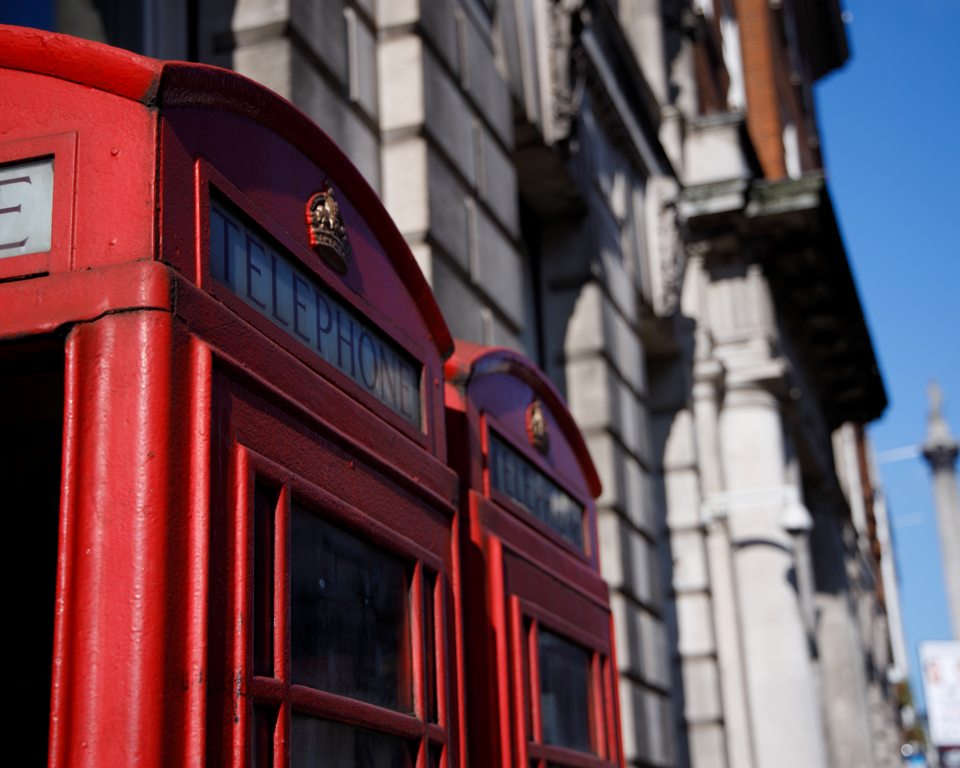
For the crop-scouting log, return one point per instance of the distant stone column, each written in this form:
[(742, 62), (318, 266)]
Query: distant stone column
[(763, 510), (940, 451)]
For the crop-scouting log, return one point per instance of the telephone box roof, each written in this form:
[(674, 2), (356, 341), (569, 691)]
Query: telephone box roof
[(472, 361)]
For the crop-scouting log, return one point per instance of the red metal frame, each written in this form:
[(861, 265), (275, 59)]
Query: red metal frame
[(520, 574)]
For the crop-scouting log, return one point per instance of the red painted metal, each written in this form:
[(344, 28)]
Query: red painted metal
[(179, 396), (521, 576)]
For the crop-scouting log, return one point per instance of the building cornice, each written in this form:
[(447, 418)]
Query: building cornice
[(790, 226)]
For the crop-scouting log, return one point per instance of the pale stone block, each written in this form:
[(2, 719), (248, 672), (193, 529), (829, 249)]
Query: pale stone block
[(605, 457), (647, 725), (713, 149), (627, 485), (640, 507), (424, 257), (641, 642), (504, 336), (448, 117), (683, 498), (395, 13), (249, 14), (405, 191), (708, 747), (362, 63), (269, 63), (625, 348), (328, 109), (627, 560), (701, 689), (498, 269), (590, 388), (585, 327), (323, 27), (695, 624), (628, 634), (483, 81), (498, 182), (449, 222), (689, 561), (680, 447), (657, 716), (400, 63), (636, 729), (656, 659), (362, 146), (618, 282), (644, 453), (461, 306), (627, 419)]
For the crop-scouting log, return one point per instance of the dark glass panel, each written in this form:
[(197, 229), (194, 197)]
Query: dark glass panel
[(429, 637), (264, 509), (326, 744), (564, 692), (349, 615), (264, 723)]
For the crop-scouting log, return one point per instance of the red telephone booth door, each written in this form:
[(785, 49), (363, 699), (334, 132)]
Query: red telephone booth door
[(540, 672)]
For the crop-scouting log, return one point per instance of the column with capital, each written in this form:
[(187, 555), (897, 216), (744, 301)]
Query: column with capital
[(940, 450)]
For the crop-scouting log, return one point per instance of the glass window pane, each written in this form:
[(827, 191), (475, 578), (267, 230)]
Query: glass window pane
[(429, 640), (264, 723), (350, 633), (316, 743), (564, 692), (264, 507)]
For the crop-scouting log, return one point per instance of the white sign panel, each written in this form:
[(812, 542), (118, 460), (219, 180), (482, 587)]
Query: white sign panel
[(26, 207), (941, 687)]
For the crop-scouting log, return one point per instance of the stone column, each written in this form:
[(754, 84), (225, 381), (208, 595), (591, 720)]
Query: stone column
[(707, 377), (940, 451), (780, 677)]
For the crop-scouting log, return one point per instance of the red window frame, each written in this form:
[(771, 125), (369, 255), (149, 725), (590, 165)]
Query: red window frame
[(257, 720), (526, 621)]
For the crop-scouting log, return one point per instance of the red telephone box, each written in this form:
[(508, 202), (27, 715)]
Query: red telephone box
[(227, 437), (539, 656)]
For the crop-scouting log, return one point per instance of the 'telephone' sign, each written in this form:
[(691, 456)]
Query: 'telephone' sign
[(241, 259), (512, 474), (26, 207)]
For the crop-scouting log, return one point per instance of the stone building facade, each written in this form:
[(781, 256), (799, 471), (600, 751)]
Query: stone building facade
[(631, 192)]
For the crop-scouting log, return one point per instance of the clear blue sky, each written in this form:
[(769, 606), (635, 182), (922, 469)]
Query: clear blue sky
[(891, 131)]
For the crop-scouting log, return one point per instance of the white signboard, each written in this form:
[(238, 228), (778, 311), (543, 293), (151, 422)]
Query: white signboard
[(26, 207), (941, 687)]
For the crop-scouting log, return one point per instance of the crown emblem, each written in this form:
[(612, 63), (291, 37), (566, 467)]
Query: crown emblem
[(328, 235), (537, 427)]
